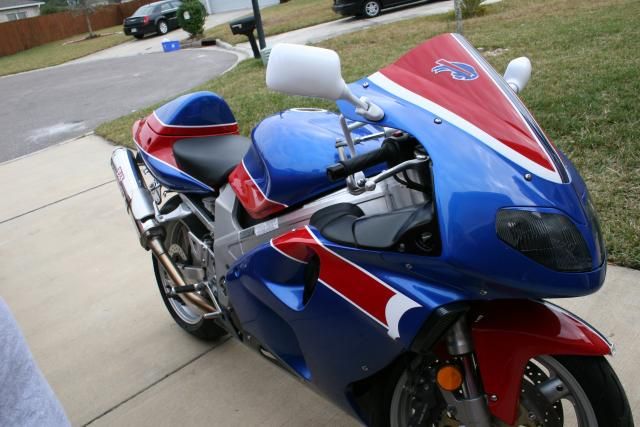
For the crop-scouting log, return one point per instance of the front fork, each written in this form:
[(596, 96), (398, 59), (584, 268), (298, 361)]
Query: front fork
[(472, 409)]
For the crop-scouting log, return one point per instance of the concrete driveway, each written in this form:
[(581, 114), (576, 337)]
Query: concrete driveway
[(84, 294)]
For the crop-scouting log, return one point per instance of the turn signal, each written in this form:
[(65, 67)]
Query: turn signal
[(449, 377)]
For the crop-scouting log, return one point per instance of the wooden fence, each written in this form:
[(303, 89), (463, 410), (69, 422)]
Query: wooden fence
[(23, 34)]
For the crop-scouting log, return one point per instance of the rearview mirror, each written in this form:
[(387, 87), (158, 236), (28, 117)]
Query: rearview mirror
[(518, 73), (305, 70), (313, 71)]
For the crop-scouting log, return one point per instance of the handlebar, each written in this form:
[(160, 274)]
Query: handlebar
[(347, 167)]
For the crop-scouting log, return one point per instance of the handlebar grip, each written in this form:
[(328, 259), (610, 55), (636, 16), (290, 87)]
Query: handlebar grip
[(359, 163)]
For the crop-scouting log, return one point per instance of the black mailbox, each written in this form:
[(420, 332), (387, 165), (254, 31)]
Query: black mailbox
[(245, 26)]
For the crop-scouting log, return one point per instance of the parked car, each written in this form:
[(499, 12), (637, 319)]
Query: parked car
[(367, 8), (159, 17)]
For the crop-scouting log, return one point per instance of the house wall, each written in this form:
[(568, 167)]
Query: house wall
[(218, 6), (30, 11)]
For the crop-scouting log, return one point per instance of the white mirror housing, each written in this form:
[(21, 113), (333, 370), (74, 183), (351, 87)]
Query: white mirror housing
[(305, 70), (313, 71), (518, 73)]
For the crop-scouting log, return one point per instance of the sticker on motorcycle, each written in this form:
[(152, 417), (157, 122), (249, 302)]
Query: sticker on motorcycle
[(458, 70)]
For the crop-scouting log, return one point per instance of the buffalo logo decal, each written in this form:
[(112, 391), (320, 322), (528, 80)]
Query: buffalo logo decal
[(458, 70)]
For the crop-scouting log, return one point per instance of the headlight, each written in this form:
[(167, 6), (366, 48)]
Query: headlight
[(550, 239)]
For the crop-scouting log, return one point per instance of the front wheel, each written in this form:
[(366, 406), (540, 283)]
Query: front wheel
[(556, 391)]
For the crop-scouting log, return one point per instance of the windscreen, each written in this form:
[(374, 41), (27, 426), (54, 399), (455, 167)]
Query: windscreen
[(450, 78)]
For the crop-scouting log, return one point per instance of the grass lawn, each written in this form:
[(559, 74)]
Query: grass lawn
[(282, 18), (584, 90), (57, 52)]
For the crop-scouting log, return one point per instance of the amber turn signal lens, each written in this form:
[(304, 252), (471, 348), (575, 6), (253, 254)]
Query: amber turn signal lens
[(449, 377)]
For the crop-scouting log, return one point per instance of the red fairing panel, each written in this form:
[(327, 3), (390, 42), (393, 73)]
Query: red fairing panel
[(507, 334), (462, 88), (250, 195)]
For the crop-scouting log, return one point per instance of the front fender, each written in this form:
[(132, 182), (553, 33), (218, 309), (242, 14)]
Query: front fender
[(508, 333)]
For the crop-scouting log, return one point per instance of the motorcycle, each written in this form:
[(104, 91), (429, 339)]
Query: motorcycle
[(394, 257)]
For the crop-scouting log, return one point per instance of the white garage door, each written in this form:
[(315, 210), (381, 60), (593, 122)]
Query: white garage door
[(217, 6)]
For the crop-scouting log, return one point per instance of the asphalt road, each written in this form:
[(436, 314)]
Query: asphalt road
[(48, 106)]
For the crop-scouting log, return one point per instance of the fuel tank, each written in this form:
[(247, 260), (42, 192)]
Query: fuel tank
[(286, 164)]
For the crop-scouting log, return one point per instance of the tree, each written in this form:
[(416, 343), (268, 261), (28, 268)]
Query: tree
[(457, 6), (86, 8)]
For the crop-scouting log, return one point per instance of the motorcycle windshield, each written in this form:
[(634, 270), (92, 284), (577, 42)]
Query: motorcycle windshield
[(450, 79)]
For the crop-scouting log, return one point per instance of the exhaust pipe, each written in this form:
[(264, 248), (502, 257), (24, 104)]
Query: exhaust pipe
[(140, 207)]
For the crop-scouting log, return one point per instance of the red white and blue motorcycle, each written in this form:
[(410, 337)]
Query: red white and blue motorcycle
[(394, 257)]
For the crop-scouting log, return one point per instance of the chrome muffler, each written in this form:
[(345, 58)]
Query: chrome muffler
[(136, 195), (140, 207)]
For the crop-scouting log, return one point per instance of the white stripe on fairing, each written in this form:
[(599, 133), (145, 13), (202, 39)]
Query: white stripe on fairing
[(286, 254), (171, 166), (191, 127), (396, 307), (392, 87), (481, 61), (258, 187)]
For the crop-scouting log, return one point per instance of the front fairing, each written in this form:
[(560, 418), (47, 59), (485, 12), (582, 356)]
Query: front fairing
[(474, 178)]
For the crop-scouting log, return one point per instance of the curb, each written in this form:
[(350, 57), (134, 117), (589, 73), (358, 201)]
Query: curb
[(75, 138), (242, 52)]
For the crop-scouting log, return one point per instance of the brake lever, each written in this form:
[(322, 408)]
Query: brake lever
[(369, 184)]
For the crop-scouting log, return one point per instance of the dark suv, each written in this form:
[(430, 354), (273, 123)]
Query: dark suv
[(159, 17), (367, 8)]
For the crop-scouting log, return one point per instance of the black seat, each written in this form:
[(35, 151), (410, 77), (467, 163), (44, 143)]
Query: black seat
[(210, 159), (345, 223)]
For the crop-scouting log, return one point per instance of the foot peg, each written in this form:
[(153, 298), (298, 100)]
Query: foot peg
[(198, 287)]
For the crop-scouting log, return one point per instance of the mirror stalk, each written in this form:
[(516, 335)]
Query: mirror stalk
[(364, 107)]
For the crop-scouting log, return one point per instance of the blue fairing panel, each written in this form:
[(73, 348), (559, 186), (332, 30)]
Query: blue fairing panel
[(172, 177), (328, 341), (196, 109)]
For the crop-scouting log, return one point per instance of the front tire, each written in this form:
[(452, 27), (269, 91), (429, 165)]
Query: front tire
[(584, 391), (177, 245), (602, 387)]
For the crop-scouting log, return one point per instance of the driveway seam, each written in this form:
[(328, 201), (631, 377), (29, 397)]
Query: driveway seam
[(158, 381), (56, 201)]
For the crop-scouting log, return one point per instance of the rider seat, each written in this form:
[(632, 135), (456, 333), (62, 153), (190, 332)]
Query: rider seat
[(210, 159), (346, 224)]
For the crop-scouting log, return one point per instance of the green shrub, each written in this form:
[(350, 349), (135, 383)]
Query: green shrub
[(195, 12), (471, 8), (48, 9)]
